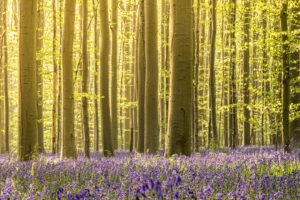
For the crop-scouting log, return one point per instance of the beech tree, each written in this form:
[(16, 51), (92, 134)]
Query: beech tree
[(68, 138), (151, 82), (104, 80), (285, 78), (141, 76), (181, 63), (114, 74), (28, 135)]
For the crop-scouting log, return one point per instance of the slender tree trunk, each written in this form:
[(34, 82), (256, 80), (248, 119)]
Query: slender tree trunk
[(6, 97), (69, 148), (96, 75), (264, 74), (39, 77), (141, 77), (59, 99), (285, 78), (151, 86), (246, 73), (2, 135), (114, 74), (212, 82), (54, 87), (28, 136), (85, 74), (196, 84), (104, 80), (233, 126), (202, 71), (127, 74), (162, 76), (181, 57)]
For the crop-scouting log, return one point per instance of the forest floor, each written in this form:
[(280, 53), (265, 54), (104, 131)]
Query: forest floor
[(243, 173)]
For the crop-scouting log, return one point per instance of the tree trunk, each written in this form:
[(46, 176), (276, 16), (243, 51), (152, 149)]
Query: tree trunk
[(285, 78), (59, 99), (114, 74), (162, 76), (246, 73), (39, 77), (181, 57), (212, 82), (54, 88), (104, 80), (6, 97), (96, 75), (69, 148), (2, 135), (28, 136), (151, 86), (233, 126), (141, 77), (85, 74), (202, 65), (196, 84)]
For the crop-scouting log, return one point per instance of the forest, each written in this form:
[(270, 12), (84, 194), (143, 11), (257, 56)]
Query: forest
[(150, 99)]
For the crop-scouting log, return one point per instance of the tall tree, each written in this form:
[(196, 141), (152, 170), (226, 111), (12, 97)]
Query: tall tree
[(163, 75), (96, 75), (141, 76), (54, 86), (85, 73), (127, 72), (151, 86), (39, 69), (104, 80), (212, 82), (28, 136), (181, 57), (196, 82), (202, 71), (246, 73), (59, 96), (2, 136), (114, 74), (6, 98), (233, 125), (68, 142), (285, 77)]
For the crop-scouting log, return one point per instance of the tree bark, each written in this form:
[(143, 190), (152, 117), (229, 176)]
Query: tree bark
[(246, 73), (59, 97), (104, 80), (96, 75), (2, 134), (39, 76), (6, 97), (85, 74), (151, 86), (114, 74), (285, 78), (233, 125), (212, 82), (69, 148), (181, 57), (54, 86), (196, 79), (28, 136), (141, 77)]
